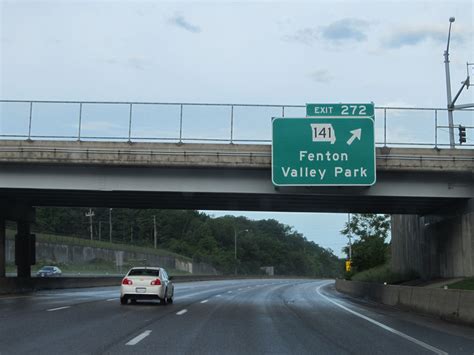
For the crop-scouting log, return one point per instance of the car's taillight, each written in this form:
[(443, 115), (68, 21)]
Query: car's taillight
[(156, 282), (126, 281)]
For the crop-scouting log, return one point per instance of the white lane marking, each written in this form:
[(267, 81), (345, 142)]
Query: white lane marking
[(57, 309), (383, 326), (139, 338), (239, 289), (205, 301), (218, 295), (112, 299), (229, 291), (180, 313)]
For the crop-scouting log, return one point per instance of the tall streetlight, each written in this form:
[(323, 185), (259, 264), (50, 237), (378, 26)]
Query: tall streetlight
[(448, 87), (235, 247)]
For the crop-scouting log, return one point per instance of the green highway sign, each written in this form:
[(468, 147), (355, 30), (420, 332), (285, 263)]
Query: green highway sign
[(323, 151), (340, 110)]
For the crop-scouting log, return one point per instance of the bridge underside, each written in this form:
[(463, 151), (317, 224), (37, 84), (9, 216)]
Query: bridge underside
[(221, 201)]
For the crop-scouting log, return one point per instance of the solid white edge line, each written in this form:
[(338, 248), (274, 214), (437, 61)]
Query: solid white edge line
[(383, 326), (112, 299), (57, 309), (181, 312), (205, 301), (139, 338)]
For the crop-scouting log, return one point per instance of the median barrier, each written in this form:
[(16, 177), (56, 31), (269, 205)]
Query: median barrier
[(10, 285), (453, 305)]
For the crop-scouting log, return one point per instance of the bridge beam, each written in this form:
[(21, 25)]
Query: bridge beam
[(434, 246)]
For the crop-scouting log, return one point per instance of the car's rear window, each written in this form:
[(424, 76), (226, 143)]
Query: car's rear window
[(144, 272), (47, 268)]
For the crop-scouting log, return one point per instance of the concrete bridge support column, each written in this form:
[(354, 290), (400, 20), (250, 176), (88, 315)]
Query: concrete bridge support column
[(22, 249), (435, 246), (2, 247)]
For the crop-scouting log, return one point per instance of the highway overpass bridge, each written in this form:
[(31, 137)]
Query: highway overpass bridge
[(418, 182)]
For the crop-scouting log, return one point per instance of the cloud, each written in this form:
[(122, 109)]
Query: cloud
[(321, 76), (347, 29), (417, 35), (344, 30), (180, 21), (305, 35)]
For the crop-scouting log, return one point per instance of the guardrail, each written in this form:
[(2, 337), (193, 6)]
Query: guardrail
[(130, 122)]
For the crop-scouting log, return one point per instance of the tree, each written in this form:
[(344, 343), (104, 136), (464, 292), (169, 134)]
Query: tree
[(370, 249)]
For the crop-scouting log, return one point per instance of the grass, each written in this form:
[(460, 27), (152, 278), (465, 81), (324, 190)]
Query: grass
[(382, 274), (57, 239), (466, 284)]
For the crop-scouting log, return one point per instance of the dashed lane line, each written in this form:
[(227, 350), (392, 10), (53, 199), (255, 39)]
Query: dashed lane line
[(205, 301), (57, 309), (139, 338), (383, 326), (180, 313)]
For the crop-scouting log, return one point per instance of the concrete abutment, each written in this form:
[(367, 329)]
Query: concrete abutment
[(436, 245)]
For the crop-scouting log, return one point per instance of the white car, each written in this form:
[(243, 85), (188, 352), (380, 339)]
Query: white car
[(147, 283)]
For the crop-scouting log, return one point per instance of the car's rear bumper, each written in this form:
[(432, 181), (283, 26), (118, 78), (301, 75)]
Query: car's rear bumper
[(141, 296)]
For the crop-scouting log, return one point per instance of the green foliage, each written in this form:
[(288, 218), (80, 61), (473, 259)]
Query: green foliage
[(369, 249), (380, 274), (466, 284), (202, 238)]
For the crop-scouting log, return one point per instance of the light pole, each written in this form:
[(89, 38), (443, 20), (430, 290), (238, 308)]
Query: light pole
[(235, 247), (448, 87), (91, 214)]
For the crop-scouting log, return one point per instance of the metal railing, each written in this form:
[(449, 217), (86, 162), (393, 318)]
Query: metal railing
[(385, 116)]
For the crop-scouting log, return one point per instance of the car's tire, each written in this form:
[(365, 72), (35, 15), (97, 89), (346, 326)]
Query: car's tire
[(164, 300), (123, 300), (170, 300), (133, 301)]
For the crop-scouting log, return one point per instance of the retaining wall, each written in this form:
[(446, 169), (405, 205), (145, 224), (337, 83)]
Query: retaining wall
[(453, 305), (80, 254)]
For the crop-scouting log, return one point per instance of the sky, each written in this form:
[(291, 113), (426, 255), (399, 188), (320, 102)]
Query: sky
[(293, 52)]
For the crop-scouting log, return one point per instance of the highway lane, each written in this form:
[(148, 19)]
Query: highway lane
[(217, 317)]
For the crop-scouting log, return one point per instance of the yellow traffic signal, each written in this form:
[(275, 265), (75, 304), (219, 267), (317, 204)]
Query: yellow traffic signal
[(348, 265)]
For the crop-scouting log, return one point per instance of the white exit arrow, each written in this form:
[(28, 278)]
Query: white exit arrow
[(355, 134)]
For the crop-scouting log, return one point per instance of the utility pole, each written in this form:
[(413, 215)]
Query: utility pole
[(235, 248), (448, 88), (154, 231), (100, 230), (110, 225), (350, 236), (90, 214)]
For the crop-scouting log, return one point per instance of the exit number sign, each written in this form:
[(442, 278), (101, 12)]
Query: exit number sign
[(340, 110)]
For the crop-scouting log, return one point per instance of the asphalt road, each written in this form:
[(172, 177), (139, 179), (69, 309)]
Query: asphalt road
[(222, 317)]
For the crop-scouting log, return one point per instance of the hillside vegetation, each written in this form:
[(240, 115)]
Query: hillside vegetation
[(201, 238)]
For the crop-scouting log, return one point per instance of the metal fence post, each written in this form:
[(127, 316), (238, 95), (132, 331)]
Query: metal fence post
[(232, 124), (181, 124), (384, 127), (29, 121), (436, 129), (80, 122), (130, 125), (283, 111)]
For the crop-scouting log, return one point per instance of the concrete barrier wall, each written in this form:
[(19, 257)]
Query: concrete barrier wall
[(453, 305), (79, 254)]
